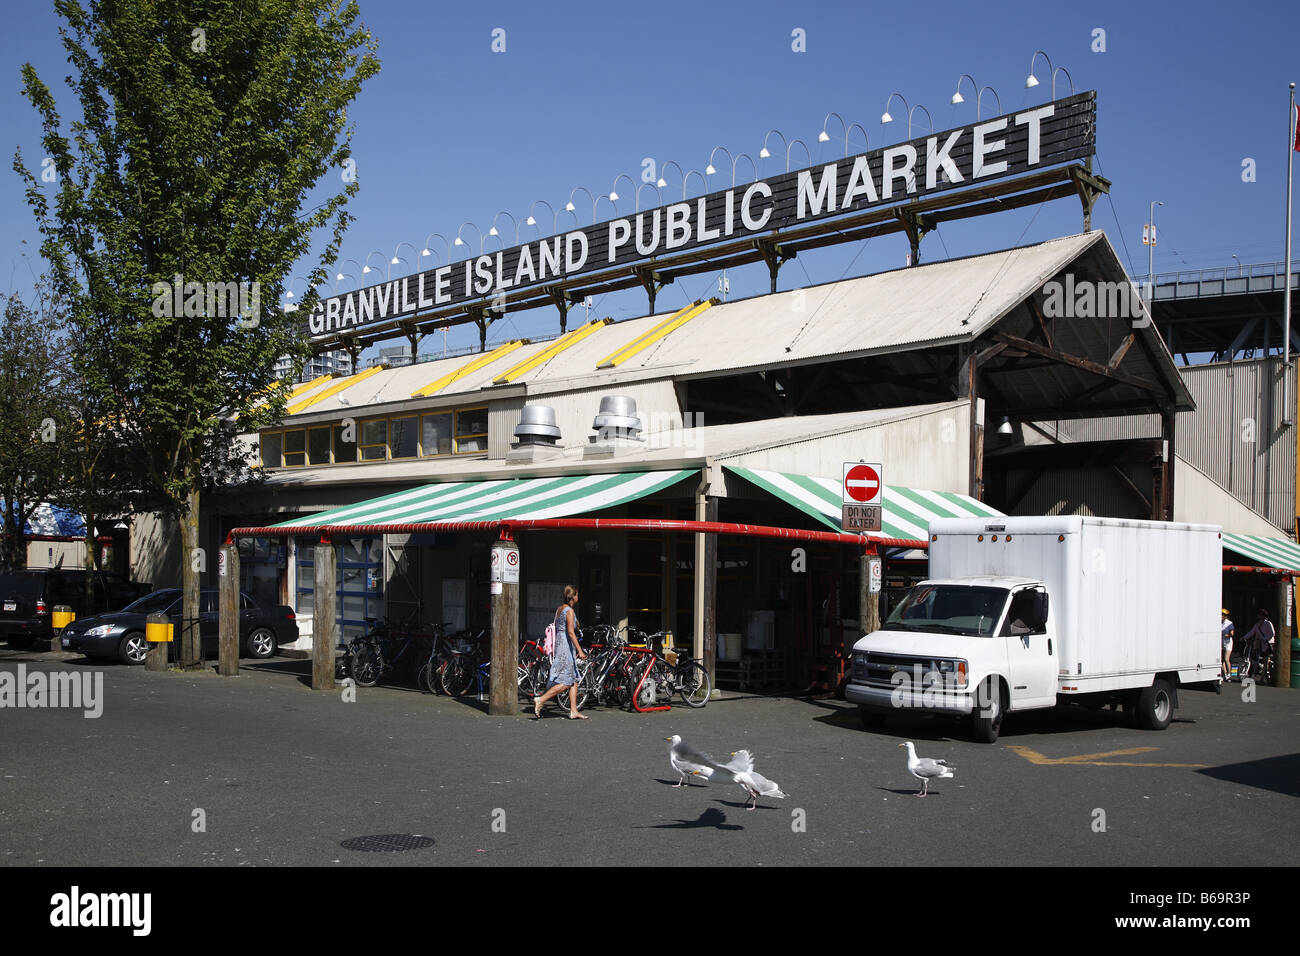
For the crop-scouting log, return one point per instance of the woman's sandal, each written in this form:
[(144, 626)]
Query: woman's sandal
[(537, 709)]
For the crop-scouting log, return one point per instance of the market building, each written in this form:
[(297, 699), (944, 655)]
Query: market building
[(1001, 383)]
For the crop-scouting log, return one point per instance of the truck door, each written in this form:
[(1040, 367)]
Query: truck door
[(1031, 652)]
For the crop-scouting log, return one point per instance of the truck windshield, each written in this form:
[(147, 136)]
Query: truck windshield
[(949, 608)]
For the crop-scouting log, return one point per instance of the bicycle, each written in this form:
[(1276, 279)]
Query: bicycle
[(688, 677), (463, 665), (1257, 664)]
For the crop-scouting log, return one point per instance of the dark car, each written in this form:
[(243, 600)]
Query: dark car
[(121, 634), (28, 599)]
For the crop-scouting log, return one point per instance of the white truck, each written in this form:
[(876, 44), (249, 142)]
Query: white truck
[(1023, 613)]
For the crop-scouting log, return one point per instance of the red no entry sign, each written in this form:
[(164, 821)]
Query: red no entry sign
[(861, 483)]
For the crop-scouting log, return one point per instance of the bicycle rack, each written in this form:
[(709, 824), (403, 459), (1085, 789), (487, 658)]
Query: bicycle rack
[(636, 694)]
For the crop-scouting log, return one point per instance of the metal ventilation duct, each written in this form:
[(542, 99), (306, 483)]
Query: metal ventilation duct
[(537, 426), (617, 418)]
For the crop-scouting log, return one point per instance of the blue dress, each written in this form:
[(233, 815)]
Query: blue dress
[(564, 669)]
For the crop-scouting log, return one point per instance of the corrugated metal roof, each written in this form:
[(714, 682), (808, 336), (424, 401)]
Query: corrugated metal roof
[(948, 301)]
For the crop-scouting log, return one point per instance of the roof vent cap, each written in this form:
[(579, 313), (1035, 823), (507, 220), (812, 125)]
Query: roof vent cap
[(537, 426), (617, 418)]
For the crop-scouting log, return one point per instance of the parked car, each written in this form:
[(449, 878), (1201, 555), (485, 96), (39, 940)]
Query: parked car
[(28, 599), (121, 634)]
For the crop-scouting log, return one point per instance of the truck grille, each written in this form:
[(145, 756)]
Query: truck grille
[(877, 670)]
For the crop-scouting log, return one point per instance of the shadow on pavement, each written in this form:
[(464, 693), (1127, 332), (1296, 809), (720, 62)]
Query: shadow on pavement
[(1279, 774), (712, 817)]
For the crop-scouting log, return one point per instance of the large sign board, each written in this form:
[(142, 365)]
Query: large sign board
[(1005, 146)]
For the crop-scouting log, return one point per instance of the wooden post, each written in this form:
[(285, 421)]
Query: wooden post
[(325, 620), (156, 657), (1282, 649), (228, 610), (870, 613), (504, 697)]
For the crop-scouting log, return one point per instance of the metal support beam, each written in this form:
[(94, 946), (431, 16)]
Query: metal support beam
[(651, 281), (916, 225), (1090, 187), (413, 335), (774, 255)]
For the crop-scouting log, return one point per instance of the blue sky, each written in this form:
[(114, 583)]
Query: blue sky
[(452, 132)]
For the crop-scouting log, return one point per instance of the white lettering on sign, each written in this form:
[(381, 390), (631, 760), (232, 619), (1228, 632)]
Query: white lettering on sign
[(863, 483), (1053, 133)]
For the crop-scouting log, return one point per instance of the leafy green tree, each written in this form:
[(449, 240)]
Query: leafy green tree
[(33, 416), (211, 149)]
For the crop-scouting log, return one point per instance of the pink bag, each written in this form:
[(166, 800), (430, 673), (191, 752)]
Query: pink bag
[(549, 644)]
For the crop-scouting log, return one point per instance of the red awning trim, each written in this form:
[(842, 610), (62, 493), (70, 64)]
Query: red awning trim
[(584, 524), (1251, 569)]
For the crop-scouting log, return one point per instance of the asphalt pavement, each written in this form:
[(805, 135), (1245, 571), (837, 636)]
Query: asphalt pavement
[(196, 769)]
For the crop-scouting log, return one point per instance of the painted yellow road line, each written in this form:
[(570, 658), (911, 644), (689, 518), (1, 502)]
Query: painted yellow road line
[(1094, 760), (470, 367), (572, 337), (334, 389)]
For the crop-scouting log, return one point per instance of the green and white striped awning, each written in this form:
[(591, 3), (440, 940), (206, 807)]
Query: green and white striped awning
[(1270, 552), (509, 498), (907, 511)]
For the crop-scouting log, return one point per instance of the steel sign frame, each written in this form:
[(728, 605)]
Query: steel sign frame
[(998, 148)]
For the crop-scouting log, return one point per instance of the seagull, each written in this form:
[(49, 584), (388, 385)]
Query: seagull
[(925, 769), (741, 767), (687, 760)]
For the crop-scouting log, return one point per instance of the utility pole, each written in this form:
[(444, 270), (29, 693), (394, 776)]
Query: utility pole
[(1151, 253)]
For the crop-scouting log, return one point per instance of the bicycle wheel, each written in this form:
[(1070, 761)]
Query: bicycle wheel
[(693, 683), (457, 676), (364, 664)]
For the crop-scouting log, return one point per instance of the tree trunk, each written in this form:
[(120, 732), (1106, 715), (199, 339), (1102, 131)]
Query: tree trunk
[(90, 564), (193, 561), (13, 550)]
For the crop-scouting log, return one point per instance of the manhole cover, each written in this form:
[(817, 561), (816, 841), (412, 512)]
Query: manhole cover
[(387, 843)]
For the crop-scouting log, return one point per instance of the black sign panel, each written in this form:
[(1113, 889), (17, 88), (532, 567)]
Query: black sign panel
[(1005, 146)]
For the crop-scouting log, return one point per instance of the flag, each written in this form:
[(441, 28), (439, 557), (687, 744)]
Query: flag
[(1296, 117)]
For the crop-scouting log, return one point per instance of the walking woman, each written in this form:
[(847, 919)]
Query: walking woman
[(564, 666)]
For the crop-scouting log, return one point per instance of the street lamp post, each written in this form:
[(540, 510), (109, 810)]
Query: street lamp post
[(763, 152), (460, 242), (555, 216), (569, 207), (1151, 253), (415, 254), (492, 231)]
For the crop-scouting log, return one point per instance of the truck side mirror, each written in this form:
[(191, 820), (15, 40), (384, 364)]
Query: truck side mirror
[(1040, 610)]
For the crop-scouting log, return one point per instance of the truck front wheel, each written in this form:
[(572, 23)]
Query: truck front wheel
[(1155, 705), (987, 721)]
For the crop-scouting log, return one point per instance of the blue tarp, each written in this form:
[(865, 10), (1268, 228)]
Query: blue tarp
[(54, 522)]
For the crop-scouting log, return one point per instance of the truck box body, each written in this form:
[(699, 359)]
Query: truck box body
[(1128, 599)]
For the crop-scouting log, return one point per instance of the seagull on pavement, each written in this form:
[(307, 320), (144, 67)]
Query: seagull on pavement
[(741, 767), (925, 769), (687, 760)]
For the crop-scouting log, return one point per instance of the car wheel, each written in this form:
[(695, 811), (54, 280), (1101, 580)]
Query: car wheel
[(133, 648), (261, 643)]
